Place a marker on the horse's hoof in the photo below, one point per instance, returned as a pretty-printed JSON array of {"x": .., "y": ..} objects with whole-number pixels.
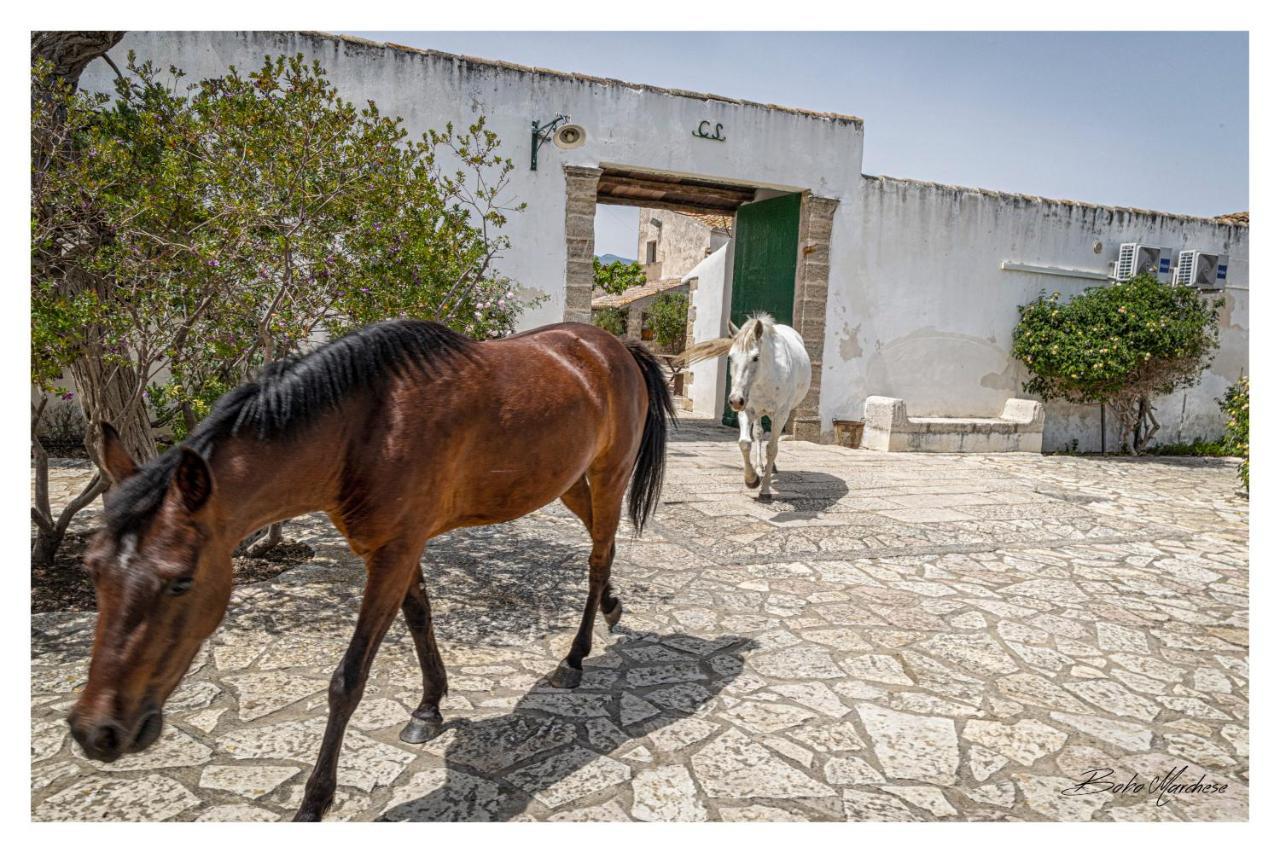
[
  {"x": 611, "y": 617},
  {"x": 767, "y": 497},
  {"x": 752, "y": 484},
  {"x": 419, "y": 730},
  {"x": 565, "y": 677},
  {"x": 312, "y": 813}
]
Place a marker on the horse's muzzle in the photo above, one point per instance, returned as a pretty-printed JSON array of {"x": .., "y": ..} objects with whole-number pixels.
[
  {"x": 106, "y": 740},
  {"x": 736, "y": 402}
]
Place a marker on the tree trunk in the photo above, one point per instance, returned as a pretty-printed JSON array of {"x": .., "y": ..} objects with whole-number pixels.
[
  {"x": 101, "y": 397},
  {"x": 1144, "y": 431},
  {"x": 45, "y": 548},
  {"x": 49, "y": 538},
  {"x": 71, "y": 51},
  {"x": 50, "y": 531},
  {"x": 106, "y": 393},
  {"x": 275, "y": 535},
  {"x": 260, "y": 541},
  {"x": 1124, "y": 411}
]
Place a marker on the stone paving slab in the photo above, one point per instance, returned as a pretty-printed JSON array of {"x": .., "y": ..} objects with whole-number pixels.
[{"x": 894, "y": 637}]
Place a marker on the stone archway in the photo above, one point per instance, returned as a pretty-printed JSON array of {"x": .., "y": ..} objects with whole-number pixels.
[{"x": 813, "y": 269}]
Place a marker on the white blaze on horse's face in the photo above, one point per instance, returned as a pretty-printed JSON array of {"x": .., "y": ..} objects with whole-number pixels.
[{"x": 744, "y": 364}]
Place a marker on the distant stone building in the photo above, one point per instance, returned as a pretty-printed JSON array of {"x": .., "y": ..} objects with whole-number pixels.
[{"x": 670, "y": 244}]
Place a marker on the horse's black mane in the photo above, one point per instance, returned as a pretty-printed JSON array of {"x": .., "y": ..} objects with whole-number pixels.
[{"x": 290, "y": 394}]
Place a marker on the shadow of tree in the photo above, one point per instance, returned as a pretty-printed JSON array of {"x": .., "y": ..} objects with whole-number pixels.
[
  {"x": 508, "y": 582},
  {"x": 553, "y": 747},
  {"x": 1164, "y": 461},
  {"x": 512, "y": 582},
  {"x": 701, "y": 429}
]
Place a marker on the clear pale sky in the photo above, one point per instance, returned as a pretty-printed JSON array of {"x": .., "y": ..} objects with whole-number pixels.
[{"x": 1152, "y": 120}]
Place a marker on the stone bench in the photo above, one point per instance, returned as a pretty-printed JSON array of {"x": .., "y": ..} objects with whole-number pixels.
[{"x": 1019, "y": 429}]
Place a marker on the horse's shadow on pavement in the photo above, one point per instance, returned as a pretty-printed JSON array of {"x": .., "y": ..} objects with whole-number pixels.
[
  {"x": 806, "y": 494},
  {"x": 559, "y": 746}
]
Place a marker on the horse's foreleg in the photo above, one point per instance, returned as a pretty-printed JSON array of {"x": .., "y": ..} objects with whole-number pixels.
[
  {"x": 606, "y": 510},
  {"x": 771, "y": 453},
  {"x": 426, "y": 722},
  {"x": 745, "y": 441},
  {"x": 389, "y": 569}
]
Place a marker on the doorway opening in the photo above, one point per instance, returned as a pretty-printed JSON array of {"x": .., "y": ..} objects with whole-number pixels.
[{"x": 721, "y": 250}]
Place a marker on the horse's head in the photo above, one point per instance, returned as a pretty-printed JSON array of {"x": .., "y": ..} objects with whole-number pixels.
[
  {"x": 744, "y": 357},
  {"x": 163, "y": 580}
]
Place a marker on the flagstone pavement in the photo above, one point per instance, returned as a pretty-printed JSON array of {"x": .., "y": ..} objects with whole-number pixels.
[{"x": 894, "y": 637}]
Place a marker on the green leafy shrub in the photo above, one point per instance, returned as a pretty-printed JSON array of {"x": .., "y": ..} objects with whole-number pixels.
[
  {"x": 668, "y": 316},
  {"x": 1121, "y": 344},
  {"x": 213, "y": 227},
  {"x": 1198, "y": 447},
  {"x": 203, "y": 230},
  {"x": 180, "y": 410},
  {"x": 613, "y": 320},
  {"x": 616, "y": 277},
  {"x": 1235, "y": 405}
]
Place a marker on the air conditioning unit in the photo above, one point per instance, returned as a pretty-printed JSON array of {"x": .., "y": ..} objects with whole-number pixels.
[
  {"x": 1201, "y": 270},
  {"x": 1136, "y": 258}
]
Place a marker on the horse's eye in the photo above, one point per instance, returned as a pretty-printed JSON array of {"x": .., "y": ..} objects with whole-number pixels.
[
  {"x": 180, "y": 585},
  {"x": 757, "y": 358}
]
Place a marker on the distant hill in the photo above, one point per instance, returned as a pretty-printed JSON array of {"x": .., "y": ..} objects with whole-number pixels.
[{"x": 608, "y": 259}]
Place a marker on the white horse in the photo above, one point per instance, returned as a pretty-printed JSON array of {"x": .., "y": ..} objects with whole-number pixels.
[{"x": 769, "y": 374}]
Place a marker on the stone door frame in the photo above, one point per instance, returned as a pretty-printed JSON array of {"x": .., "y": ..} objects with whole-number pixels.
[
  {"x": 809, "y": 314},
  {"x": 813, "y": 271}
]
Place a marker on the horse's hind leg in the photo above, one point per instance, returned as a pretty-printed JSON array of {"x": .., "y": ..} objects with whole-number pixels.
[
  {"x": 426, "y": 722},
  {"x": 606, "y": 510},
  {"x": 578, "y": 500},
  {"x": 388, "y": 569}
]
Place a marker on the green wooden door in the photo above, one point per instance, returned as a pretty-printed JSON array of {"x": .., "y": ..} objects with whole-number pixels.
[{"x": 766, "y": 235}]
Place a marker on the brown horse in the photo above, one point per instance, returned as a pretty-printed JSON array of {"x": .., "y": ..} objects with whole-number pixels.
[{"x": 399, "y": 432}]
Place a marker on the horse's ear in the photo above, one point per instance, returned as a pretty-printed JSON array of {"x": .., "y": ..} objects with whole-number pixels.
[
  {"x": 119, "y": 464},
  {"x": 193, "y": 480},
  {"x": 759, "y": 330},
  {"x": 733, "y": 330}
]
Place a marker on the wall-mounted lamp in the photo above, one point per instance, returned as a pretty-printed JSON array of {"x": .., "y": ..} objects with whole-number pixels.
[{"x": 541, "y": 133}]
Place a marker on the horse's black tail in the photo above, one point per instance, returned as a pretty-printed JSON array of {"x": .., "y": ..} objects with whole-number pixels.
[{"x": 651, "y": 461}]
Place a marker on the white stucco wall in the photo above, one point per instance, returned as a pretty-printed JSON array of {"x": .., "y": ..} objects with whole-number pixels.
[
  {"x": 918, "y": 305},
  {"x": 925, "y": 312},
  {"x": 627, "y": 125},
  {"x": 709, "y": 303}
]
